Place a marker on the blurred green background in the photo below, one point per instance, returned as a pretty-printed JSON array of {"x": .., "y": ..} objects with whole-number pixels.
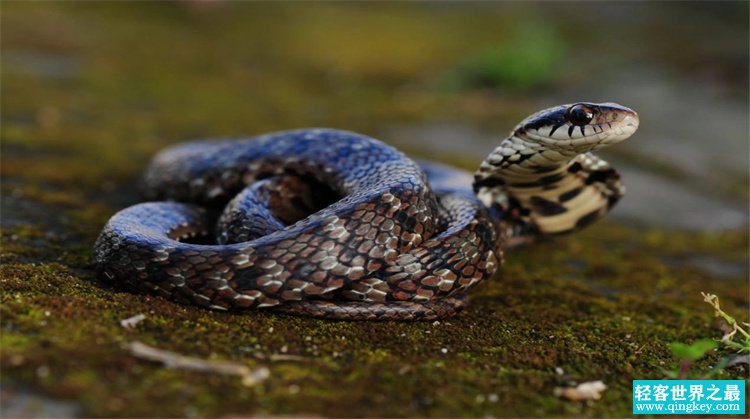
[
  {"x": 90, "y": 90},
  {"x": 115, "y": 82}
]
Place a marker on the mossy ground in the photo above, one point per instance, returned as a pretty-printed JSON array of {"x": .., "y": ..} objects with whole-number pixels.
[
  {"x": 605, "y": 305},
  {"x": 90, "y": 91}
]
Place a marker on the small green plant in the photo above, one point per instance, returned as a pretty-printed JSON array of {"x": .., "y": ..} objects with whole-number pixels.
[
  {"x": 739, "y": 343},
  {"x": 688, "y": 354},
  {"x": 737, "y": 339}
]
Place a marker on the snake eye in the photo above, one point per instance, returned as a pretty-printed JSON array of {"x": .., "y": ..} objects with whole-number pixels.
[{"x": 579, "y": 115}]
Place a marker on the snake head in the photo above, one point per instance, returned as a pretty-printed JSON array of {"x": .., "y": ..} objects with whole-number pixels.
[{"x": 579, "y": 127}]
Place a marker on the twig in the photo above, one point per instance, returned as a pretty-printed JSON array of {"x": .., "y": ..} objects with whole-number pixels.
[{"x": 176, "y": 361}]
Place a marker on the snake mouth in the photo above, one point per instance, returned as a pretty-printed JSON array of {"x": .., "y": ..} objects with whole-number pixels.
[{"x": 579, "y": 127}]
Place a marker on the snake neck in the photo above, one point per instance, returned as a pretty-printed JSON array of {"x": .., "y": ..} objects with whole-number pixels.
[{"x": 538, "y": 191}]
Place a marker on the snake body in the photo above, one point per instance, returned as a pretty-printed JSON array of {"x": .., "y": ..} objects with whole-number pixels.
[{"x": 334, "y": 224}]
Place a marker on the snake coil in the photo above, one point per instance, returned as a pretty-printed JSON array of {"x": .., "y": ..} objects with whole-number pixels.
[{"x": 334, "y": 224}]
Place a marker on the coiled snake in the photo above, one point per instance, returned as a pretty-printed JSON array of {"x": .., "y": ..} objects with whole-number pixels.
[{"x": 334, "y": 224}]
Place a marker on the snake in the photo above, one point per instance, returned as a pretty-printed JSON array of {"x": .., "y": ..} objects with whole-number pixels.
[{"x": 333, "y": 224}]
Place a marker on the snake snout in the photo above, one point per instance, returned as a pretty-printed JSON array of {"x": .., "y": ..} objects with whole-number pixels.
[
  {"x": 630, "y": 123},
  {"x": 631, "y": 120},
  {"x": 617, "y": 122},
  {"x": 618, "y": 113}
]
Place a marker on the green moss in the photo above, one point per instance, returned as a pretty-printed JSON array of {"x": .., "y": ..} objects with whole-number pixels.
[
  {"x": 10, "y": 340},
  {"x": 506, "y": 344}
]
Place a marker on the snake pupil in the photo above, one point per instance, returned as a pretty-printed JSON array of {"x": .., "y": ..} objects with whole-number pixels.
[{"x": 579, "y": 115}]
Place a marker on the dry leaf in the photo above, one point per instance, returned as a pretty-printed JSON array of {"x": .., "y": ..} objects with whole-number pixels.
[{"x": 590, "y": 390}]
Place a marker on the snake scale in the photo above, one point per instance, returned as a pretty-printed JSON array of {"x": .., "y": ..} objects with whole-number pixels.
[{"x": 334, "y": 224}]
